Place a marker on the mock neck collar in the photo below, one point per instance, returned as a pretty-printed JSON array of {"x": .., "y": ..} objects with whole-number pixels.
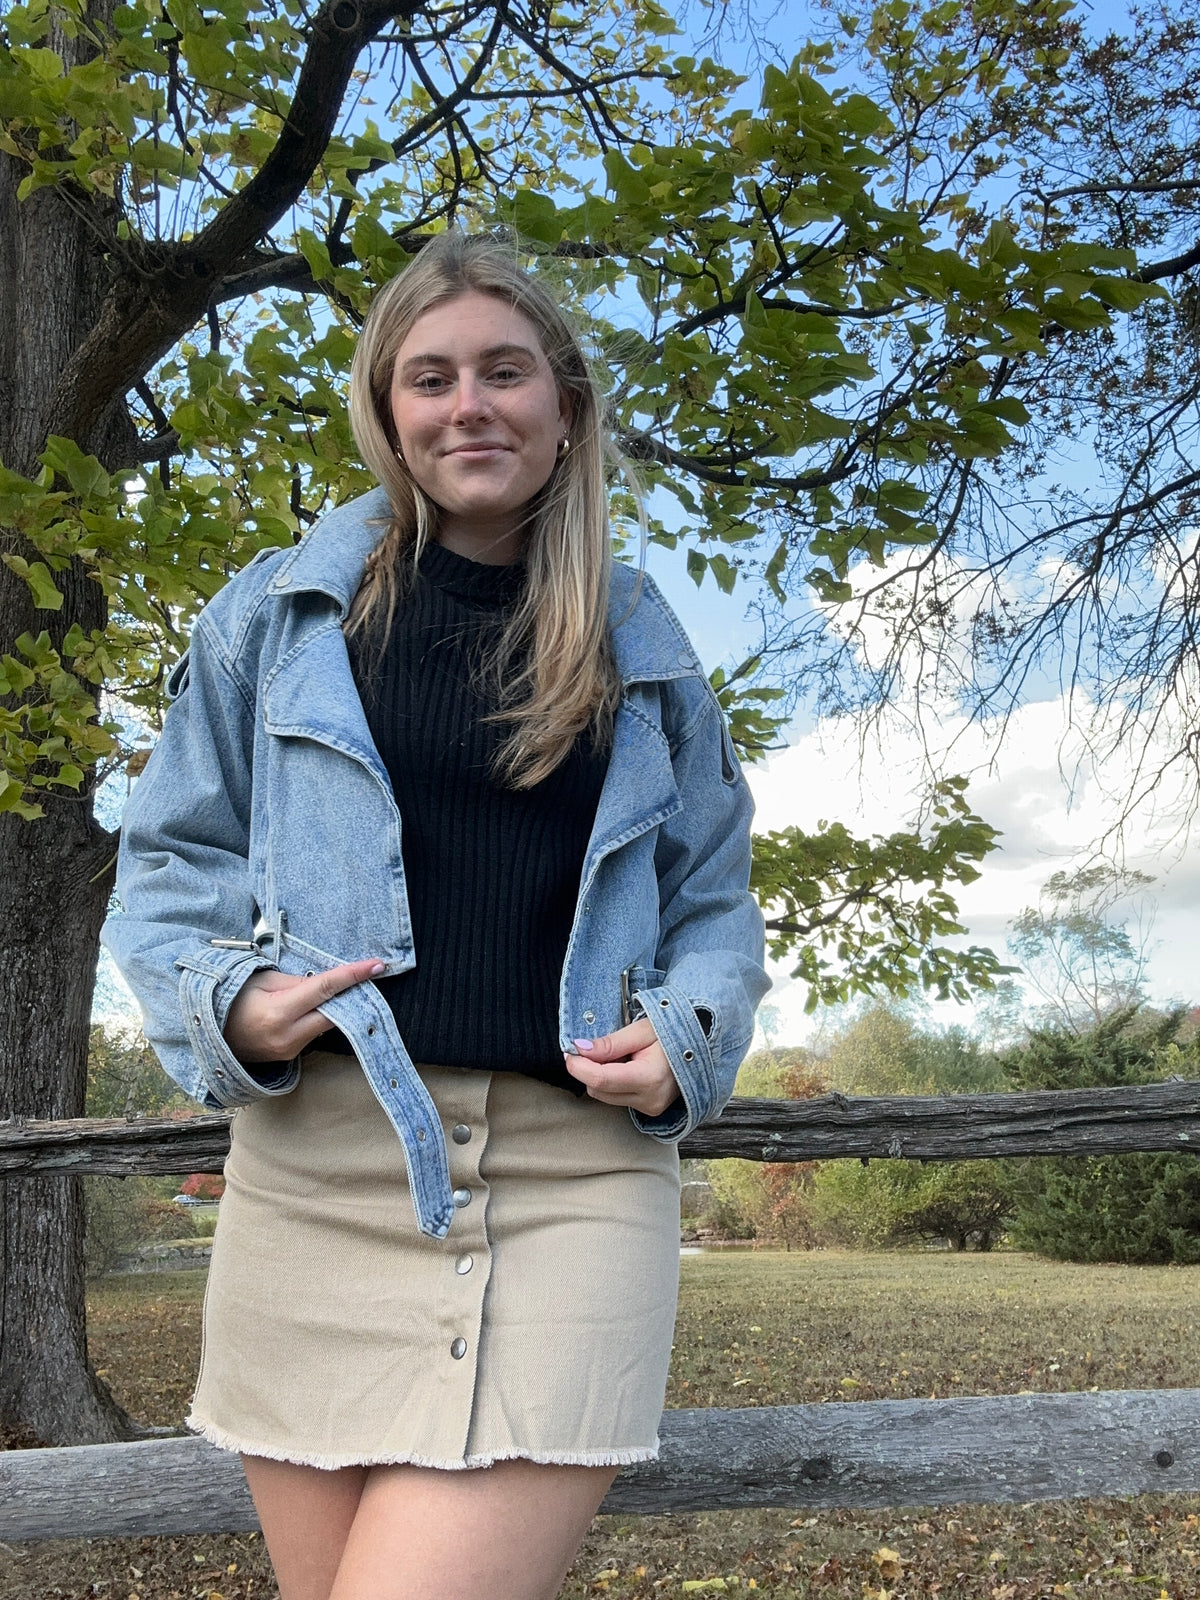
[
  {"x": 648, "y": 641},
  {"x": 480, "y": 582}
]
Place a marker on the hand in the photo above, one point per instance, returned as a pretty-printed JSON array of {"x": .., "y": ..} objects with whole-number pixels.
[
  {"x": 275, "y": 1015},
  {"x": 626, "y": 1068}
]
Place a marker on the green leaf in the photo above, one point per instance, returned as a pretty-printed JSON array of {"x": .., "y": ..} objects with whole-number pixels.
[
  {"x": 83, "y": 472},
  {"x": 535, "y": 217},
  {"x": 46, "y": 594},
  {"x": 724, "y": 572},
  {"x": 42, "y": 64},
  {"x": 11, "y": 799},
  {"x": 773, "y": 569}
]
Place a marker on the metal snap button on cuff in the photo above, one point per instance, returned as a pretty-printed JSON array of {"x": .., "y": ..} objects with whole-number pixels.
[
  {"x": 460, "y": 1133},
  {"x": 463, "y": 1265},
  {"x": 461, "y": 1197},
  {"x": 458, "y": 1349}
]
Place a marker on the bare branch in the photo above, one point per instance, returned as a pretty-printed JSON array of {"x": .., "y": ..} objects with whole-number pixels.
[
  {"x": 1173, "y": 267},
  {"x": 1167, "y": 186}
]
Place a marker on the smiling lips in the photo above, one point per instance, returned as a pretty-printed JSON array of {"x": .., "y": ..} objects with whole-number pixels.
[{"x": 483, "y": 447}]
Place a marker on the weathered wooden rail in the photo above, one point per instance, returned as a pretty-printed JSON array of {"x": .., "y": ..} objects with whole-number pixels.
[
  {"x": 1157, "y": 1116},
  {"x": 986, "y": 1450},
  {"x": 1005, "y": 1450}
]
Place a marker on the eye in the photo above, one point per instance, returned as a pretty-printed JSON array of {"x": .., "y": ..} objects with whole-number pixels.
[
  {"x": 428, "y": 382},
  {"x": 508, "y": 373}
]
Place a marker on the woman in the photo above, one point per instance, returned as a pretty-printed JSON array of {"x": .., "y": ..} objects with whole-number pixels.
[{"x": 442, "y": 1295}]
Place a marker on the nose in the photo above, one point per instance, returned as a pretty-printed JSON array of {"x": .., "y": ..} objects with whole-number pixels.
[{"x": 470, "y": 400}]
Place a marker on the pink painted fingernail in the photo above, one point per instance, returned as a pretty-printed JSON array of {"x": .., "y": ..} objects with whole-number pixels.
[
  {"x": 584, "y": 1044},
  {"x": 377, "y": 969}
]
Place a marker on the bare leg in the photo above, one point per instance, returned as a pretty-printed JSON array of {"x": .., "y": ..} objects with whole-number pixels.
[
  {"x": 505, "y": 1532},
  {"x": 306, "y": 1516}
]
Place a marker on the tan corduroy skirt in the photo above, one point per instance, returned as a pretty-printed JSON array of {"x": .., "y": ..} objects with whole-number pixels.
[{"x": 337, "y": 1334}]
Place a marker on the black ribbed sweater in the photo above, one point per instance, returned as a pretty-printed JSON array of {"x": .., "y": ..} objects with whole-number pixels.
[{"x": 492, "y": 873}]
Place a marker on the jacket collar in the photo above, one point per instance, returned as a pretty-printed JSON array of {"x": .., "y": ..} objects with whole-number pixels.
[{"x": 331, "y": 558}]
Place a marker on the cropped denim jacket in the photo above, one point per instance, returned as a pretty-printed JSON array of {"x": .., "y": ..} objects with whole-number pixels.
[{"x": 264, "y": 833}]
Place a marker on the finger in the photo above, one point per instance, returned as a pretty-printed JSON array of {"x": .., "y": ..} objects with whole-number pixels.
[
  {"x": 275, "y": 1014},
  {"x": 309, "y": 993},
  {"x": 599, "y": 1074},
  {"x": 648, "y": 1069},
  {"x": 623, "y": 1042},
  {"x": 307, "y": 1029},
  {"x": 651, "y": 1102}
]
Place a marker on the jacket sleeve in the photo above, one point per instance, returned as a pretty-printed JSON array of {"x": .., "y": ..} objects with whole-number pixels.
[
  {"x": 711, "y": 938},
  {"x": 183, "y": 881}
]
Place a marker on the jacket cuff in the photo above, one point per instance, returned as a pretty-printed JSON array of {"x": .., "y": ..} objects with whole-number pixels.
[
  {"x": 209, "y": 983},
  {"x": 688, "y": 1047}
]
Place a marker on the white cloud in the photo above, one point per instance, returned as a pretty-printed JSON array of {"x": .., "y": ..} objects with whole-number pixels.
[{"x": 1038, "y": 785}]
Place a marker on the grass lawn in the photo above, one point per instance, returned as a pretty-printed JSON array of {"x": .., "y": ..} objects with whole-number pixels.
[{"x": 764, "y": 1329}]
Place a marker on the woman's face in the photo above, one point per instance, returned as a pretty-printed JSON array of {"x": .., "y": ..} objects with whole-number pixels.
[{"x": 479, "y": 419}]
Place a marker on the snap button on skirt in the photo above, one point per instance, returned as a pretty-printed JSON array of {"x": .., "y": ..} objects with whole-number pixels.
[{"x": 337, "y": 1334}]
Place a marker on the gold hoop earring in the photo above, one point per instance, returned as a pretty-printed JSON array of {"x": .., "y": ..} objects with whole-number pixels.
[
  {"x": 400, "y": 458},
  {"x": 564, "y": 444}
]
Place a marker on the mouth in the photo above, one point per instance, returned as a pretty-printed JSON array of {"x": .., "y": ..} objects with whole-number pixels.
[{"x": 481, "y": 448}]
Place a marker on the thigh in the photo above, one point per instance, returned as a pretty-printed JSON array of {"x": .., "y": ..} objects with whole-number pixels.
[
  {"x": 505, "y": 1532},
  {"x": 306, "y": 1517}
]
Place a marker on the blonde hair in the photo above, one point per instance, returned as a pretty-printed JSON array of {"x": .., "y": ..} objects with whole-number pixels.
[{"x": 553, "y": 666}]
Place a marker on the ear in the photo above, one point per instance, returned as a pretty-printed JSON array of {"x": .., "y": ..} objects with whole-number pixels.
[{"x": 565, "y": 412}]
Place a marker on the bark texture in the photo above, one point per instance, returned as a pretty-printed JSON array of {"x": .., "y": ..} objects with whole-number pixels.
[
  {"x": 55, "y": 873},
  {"x": 984, "y": 1450}
]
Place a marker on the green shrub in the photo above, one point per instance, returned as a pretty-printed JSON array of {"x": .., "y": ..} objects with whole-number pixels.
[
  {"x": 1134, "y": 1208},
  {"x": 204, "y": 1226},
  {"x": 894, "y": 1203}
]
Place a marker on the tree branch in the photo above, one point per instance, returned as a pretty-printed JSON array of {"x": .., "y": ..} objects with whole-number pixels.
[
  {"x": 1166, "y": 187},
  {"x": 1174, "y": 267},
  {"x": 159, "y": 448},
  {"x": 147, "y": 311},
  {"x": 269, "y": 272}
]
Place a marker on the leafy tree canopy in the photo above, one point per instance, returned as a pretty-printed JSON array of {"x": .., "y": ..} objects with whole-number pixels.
[
  {"x": 1066, "y": 562},
  {"x": 828, "y": 316},
  {"x": 884, "y": 1051},
  {"x": 826, "y": 313}
]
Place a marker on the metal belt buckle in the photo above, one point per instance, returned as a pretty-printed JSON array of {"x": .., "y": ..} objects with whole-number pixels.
[{"x": 263, "y": 934}]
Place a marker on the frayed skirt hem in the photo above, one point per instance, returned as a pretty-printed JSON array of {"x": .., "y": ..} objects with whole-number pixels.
[{"x": 333, "y": 1462}]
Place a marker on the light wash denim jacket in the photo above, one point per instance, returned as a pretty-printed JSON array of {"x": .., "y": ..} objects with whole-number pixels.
[{"x": 264, "y": 833}]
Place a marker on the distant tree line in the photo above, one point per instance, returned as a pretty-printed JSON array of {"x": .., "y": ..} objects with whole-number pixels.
[{"x": 1133, "y": 1208}]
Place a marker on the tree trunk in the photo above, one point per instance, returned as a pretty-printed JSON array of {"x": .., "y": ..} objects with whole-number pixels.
[
  {"x": 55, "y": 873},
  {"x": 51, "y": 914}
]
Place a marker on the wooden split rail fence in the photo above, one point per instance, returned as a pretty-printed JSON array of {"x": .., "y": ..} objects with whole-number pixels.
[{"x": 988, "y": 1449}]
